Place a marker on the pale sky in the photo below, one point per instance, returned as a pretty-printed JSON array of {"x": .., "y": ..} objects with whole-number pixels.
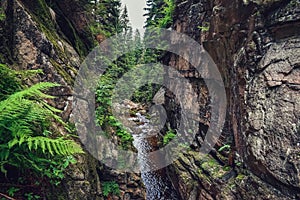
[{"x": 135, "y": 11}]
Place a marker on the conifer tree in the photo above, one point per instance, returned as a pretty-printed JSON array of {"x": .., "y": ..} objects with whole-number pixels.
[
  {"x": 106, "y": 17},
  {"x": 124, "y": 20},
  {"x": 159, "y": 13},
  {"x": 138, "y": 47}
]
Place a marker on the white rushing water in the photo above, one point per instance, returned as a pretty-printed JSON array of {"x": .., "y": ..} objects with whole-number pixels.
[{"x": 156, "y": 183}]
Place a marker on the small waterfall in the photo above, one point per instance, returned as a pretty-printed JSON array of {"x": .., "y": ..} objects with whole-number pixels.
[{"x": 158, "y": 186}]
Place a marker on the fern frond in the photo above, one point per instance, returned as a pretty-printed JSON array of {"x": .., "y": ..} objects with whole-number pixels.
[
  {"x": 9, "y": 83},
  {"x": 4, "y": 152},
  {"x": 35, "y": 91},
  {"x": 49, "y": 147},
  {"x": 26, "y": 161},
  {"x": 23, "y": 116},
  {"x": 12, "y": 143},
  {"x": 41, "y": 143},
  {"x": 59, "y": 146},
  {"x": 2, "y": 168},
  {"x": 25, "y": 124},
  {"x": 29, "y": 143},
  {"x": 28, "y": 73},
  {"x": 55, "y": 149}
]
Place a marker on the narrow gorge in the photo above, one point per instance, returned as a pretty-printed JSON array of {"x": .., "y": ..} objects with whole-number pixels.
[{"x": 255, "y": 47}]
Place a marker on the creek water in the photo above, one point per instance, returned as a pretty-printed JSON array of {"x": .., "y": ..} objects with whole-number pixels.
[{"x": 158, "y": 186}]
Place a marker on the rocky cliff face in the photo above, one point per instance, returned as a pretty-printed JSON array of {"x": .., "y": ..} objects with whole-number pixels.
[
  {"x": 32, "y": 40},
  {"x": 53, "y": 36},
  {"x": 255, "y": 45}
]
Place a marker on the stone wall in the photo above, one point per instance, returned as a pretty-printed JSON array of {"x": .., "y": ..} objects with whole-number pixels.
[
  {"x": 55, "y": 39},
  {"x": 256, "y": 48}
]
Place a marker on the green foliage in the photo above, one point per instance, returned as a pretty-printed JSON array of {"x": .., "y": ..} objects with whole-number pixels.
[
  {"x": 12, "y": 80},
  {"x": 168, "y": 136},
  {"x": 103, "y": 112},
  {"x": 12, "y": 190},
  {"x": 10, "y": 83},
  {"x": 110, "y": 19},
  {"x": 224, "y": 147},
  {"x": 204, "y": 28},
  {"x": 106, "y": 15},
  {"x": 27, "y": 139},
  {"x": 159, "y": 13},
  {"x": 145, "y": 93},
  {"x": 167, "y": 12},
  {"x": 237, "y": 163},
  {"x": 31, "y": 196},
  {"x": 212, "y": 167},
  {"x": 2, "y": 14},
  {"x": 56, "y": 169},
  {"x": 226, "y": 168},
  {"x": 240, "y": 177},
  {"x": 107, "y": 84},
  {"x": 126, "y": 138},
  {"x": 110, "y": 187}
]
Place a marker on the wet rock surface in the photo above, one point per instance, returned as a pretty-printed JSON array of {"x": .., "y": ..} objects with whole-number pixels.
[
  {"x": 33, "y": 41},
  {"x": 35, "y": 36},
  {"x": 255, "y": 45}
]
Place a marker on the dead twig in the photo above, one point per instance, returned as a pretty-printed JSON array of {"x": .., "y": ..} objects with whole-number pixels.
[{"x": 8, "y": 197}]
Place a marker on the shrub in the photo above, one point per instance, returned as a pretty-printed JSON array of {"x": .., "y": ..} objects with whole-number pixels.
[
  {"x": 28, "y": 139},
  {"x": 169, "y": 136},
  {"x": 110, "y": 187}
]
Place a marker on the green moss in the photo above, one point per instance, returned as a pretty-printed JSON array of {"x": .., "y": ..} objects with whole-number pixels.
[
  {"x": 6, "y": 37},
  {"x": 240, "y": 177},
  {"x": 213, "y": 167},
  {"x": 40, "y": 13},
  {"x": 169, "y": 136},
  {"x": 66, "y": 76},
  {"x": 204, "y": 27},
  {"x": 226, "y": 168},
  {"x": 202, "y": 176},
  {"x": 80, "y": 47}
]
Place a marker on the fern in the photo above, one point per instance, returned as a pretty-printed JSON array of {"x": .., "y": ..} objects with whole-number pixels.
[
  {"x": 9, "y": 83},
  {"x": 34, "y": 91},
  {"x": 26, "y": 139}
]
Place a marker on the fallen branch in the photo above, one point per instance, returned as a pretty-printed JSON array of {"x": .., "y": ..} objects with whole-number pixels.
[{"x": 8, "y": 197}]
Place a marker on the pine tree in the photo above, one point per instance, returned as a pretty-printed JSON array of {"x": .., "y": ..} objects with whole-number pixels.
[
  {"x": 124, "y": 20},
  {"x": 106, "y": 17},
  {"x": 153, "y": 10},
  {"x": 138, "y": 54},
  {"x": 159, "y": 13}
]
